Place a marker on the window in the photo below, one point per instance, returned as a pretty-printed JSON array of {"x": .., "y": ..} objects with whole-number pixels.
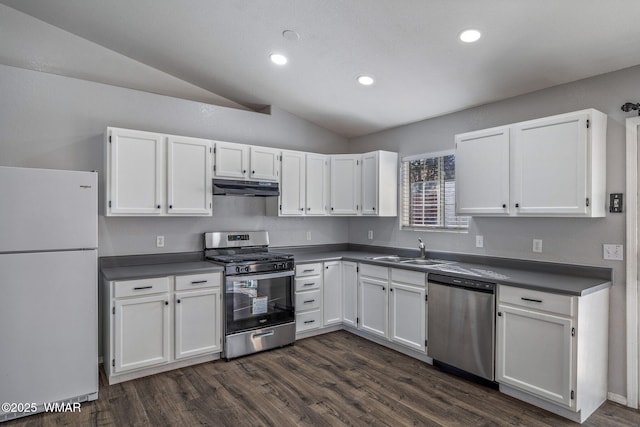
[{"x": 428, "y": 188}]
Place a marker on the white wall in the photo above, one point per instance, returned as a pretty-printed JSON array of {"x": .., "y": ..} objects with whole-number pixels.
[
  {"x": 570, "y": 240},
  {"x": 51, "y": 121}
]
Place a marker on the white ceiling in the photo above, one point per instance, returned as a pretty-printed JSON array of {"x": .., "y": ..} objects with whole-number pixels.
[{"x": 411, "y": 48}]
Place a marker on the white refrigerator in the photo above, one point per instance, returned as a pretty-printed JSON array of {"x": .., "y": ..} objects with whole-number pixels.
[{"x": 48, "y": 289}]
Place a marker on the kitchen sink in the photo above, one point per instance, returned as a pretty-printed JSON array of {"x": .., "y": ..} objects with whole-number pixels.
[
  {"x": 391, "y": 258},
  {"x": 408, "y": 260}
]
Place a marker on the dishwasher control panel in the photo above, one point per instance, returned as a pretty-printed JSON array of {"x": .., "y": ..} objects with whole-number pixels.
[{"x": 462, "y": 282}]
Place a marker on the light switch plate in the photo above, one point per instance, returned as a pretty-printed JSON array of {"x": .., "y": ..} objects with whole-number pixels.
[
  {"x": 159, "y": 241},
  {"x": 537, "y": 245},
  {"x": 479, "y": 241},
  {"x": 370, "y": 235},
  {"x": 308, "y": 235},
  {"x": 613, "y": 252}
]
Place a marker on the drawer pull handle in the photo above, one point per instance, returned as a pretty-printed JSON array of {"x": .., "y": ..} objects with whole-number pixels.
[
  {"x": 139, "y": 288},
  {"x": 307, "y": 271},
  {"x": 198, "y": 282},
  {"x": 309, "y": 321},
  {"x": 308, "y": 301},
  {"x": 262, "y": 334},
  {"x": 530, "y": 300},
  {"x": 309, "y": 284}
]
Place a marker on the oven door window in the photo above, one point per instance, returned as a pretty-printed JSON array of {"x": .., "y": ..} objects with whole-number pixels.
[{"x": 254, "y": 303}]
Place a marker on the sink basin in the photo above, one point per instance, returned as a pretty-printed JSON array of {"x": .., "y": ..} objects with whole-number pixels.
[
  {"x": 421, "y": 261},
  {"x": 392, "y": 258}
]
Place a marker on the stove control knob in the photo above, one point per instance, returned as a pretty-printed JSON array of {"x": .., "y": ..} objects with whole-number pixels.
[
  {"x": 283, "y": 265},
  {"x": 275, "y": 266},
  {"x": 237, "y": 269},
  {"x": 246, "y": 269}
]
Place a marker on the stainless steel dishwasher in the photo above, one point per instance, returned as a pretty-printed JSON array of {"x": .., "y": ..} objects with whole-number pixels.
[{"x": 461, "y": 324}]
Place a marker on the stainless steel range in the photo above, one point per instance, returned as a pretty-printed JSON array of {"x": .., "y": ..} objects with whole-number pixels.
[{"x": 259, "y": 294}]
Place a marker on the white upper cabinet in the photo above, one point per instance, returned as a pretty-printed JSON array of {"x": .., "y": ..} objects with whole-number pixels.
[
  {"x": 188, "y": 176},
  {"x": 345, "y": 184},
  {"x": 150, "y": 174},
  {"x": 482, "y": 172},
  {"x": 245, "y": 162},
  {"x": 317, "y": 185},
  {"x": 380, "y": 183},
  {"x": 292, "y": 188},
  {"x": 231, "y": 160},
  {"x": 264, "y": 164},
  {"x": 135, "y": 181},
  {"x": 557, "y": 167}
]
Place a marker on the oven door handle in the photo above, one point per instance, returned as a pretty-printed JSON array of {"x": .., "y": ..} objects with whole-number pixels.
[
  {"x": 262, "y": 334},
  {"x": 274, "y": 275}
]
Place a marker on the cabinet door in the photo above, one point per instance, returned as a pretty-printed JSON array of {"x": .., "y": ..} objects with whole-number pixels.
[
  {"x": 407, "y": 315},
  {"x": 373, "y": 306},
  {"x": 482, "y": 172},
  {"x": 136, "y": 172},
  {"x": 141, "y": 334},
  {"x": 198, "y": 323},
  {"x": 332, "y": 296},
  {"x": 345, "y": 184},
  {"x": 264, "y": 164},
  {"x": 292, "y": 185},
  {"x": 550, "y": 165},
  {"x": 370, "y": 183},
  {"x": 231, "y": 160},
  {"x": 188, "y": 176},
  {"x": 535, "y": 352},
  {"x": 350, "y": 293},
  {"x": 316, "y": 184}
]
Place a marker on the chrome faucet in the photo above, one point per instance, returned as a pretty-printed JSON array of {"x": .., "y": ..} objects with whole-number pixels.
[{"x": 421, "y": 247}]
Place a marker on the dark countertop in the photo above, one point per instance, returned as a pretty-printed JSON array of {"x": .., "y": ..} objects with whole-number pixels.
[
  {"x": 159, "y": 270},
  {"x": 561, "y": 279}
]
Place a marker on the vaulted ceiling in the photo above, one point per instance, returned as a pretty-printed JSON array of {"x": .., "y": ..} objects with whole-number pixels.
[{"x": 410, "y": 47}]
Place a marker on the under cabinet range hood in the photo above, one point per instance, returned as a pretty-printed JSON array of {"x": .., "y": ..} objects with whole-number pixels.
[{"x": 230, "y": 187}]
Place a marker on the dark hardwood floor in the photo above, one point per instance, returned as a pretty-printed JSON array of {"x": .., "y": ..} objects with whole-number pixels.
[{"x": 328, "y": 380}]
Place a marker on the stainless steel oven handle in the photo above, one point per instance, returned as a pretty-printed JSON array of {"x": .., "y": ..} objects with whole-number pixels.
[
  {"x": 274, "y": 275},
  {"x": 262, "y": 334}
]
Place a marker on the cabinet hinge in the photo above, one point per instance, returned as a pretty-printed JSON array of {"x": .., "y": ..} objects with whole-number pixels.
[
  {"x": 587, "y": 202},
  {"x": 426, "y": 297},
  {"x": 214, "y": 166},
  {"x": 210, "y": 150},
  {"x": 587, "y": 124},
  {"x": 425, "y": 343},
  {"x": 109, "y": 203},
  {"x": 573, "y": 332},
  {"x": 109, "y": 138},
  {"x": 357, "y": 269},
  {"x": 113, "y": 362},
  {"x": 357, "y": 320},
  {"x": 113, "y": 310},
  {"x": 209, "y": 205},
  {"x": 214, "y": 150},
  {"x": 572, "y": 394},
  {"x": 280, "y": 208}
]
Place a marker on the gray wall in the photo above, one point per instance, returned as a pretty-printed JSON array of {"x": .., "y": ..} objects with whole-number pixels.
[
  {"x": 571, "y": 240},
  {"x": 50, "y": 121}
]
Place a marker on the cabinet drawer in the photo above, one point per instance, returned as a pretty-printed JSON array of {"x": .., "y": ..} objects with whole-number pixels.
[
  {"x": 308, "y": 300},
  {"x": 197, "y": 281},
  {"x": 131, "y": 288},
  {"x": 308, "y": 320},
  {"x": 308, "y": 269},
  {"x": 307, "y": 284},
  {"x": 407, "y": 276},
  {"x": 374, "y": 271},
  {"x": 545, "y": 301}
]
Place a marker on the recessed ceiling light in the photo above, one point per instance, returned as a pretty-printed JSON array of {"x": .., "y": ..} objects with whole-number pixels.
[
  {"x": 470, "y": 36},
  {"x": 290, "y": 35},
  {"x": 278, "y": 58},
  {"x": 365, "y": 80}
]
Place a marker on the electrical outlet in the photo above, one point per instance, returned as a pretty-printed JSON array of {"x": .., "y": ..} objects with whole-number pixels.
[
  {"x": 537, "y": 245},
  {"x": 159, "y": 241},
  {"x": 370, "y": 235},
  {"x": 479, "y": 241},
  {"x": 308, "y": 235},
  {"x": 613, "y": 252}
]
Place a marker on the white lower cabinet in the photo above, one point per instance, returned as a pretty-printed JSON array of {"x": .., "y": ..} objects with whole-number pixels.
[
  {"x": 308, "y": 296},
  {"x": 373, "y": 299},
  {"x": 332, "y": 293},
  {"x": 141, "y": 335},
  {"x": 551, "y": 350},
  {"x": 350, "y": 293},
  {"x": 407, "y": 308},
  {"x": 151, "y": 325}
]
